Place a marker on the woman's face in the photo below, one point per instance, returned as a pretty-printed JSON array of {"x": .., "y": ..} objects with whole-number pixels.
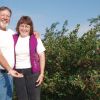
[{"x": 24, "y": 29}]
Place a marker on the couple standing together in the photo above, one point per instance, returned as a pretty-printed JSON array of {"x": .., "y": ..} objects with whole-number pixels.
[{"x": 22, "y": 55}]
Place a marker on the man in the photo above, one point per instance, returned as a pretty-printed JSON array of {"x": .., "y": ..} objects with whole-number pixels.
[{"x": 6, "y": 56}]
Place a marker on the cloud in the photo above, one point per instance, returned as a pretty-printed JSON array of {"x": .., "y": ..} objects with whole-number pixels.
[{"x": 83, "y": 28}]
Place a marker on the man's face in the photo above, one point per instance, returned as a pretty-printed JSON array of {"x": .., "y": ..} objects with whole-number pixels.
[{"x": 4, "y": 19}]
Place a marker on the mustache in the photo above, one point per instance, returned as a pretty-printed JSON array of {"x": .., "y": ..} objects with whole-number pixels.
[{"x": 3, "y": 20}]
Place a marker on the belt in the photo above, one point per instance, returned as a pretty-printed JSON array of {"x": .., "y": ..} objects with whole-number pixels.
[{"x": 3, "y": 71}]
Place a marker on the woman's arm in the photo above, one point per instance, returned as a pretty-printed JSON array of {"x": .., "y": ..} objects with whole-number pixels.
[
  {"x": 42, "y": 62},
  {"x": 42, "y": 68},
  {"x": 41, "y": 53}
]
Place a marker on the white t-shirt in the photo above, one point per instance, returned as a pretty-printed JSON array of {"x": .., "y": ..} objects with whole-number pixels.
[
  {"x": 7, "y": 46},
  {"x": 23, "y": 54}
]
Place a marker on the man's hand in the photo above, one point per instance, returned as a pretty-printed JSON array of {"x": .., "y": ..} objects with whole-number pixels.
[
  {"x": 37, "y": 35},
  {"x": 15, "y": 73}
]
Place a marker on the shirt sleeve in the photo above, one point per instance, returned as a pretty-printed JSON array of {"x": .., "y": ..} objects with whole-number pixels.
[
  {"x": 40, "y": 46},
  {"x": 11, "y": 31}
]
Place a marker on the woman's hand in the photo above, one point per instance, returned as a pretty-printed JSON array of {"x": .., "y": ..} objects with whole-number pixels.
[{"x": 40, "y": 79}]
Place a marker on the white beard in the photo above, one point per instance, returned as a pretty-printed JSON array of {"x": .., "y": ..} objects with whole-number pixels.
[{"x": 3, "y": 25}]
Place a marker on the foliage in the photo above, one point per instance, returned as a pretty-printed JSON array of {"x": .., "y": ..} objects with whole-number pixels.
[{"x": 72, "y": 64}]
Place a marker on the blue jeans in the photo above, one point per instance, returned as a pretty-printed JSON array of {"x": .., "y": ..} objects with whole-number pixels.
[{"x": 6, "y": 86}]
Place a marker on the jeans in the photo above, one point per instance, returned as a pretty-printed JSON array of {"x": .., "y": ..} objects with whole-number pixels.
[{"x": 6, "y": 86}]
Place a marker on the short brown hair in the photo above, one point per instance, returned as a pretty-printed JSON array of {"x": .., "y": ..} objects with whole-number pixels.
[
  {"x": 6, "y": 8},
  {"x": 25, "y": 20}
]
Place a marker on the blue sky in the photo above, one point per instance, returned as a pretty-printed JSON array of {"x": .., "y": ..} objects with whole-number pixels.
[{"x": 46, "y": 12}]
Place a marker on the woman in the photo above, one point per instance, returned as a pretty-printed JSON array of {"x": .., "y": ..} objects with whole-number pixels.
[{"x": 29, "y": 60}]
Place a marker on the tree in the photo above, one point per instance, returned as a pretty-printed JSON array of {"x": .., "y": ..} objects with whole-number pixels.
[{"x": 72, "y": 64}]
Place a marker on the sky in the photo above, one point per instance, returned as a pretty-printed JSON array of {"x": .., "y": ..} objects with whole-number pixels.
[{"x": 46, "y": 12}]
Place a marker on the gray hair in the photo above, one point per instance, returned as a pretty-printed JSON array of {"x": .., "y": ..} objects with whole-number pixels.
[{"x": 6, "y": 8}]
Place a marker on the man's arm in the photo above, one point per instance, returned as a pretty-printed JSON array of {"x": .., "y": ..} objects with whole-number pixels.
[
  {"x": 5, "y": 65},
  {"x": 4, "y": 62}
]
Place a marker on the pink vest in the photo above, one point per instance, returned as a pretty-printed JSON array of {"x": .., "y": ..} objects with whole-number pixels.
[{"x": 34, "y": 58}]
